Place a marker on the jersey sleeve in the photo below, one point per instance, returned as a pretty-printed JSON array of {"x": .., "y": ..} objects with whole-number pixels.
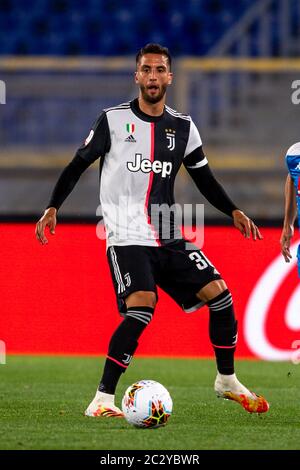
[
  {"x": 194, "y": 140},
  {"x": 67, "y": 181},
  {"x": 97, "y": 143},
  {"x": 197, "y": 166},
  {"x": 195, "y": 159}
]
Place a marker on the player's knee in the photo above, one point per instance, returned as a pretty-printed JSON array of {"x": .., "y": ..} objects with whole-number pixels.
[
  {"x": 212, "y": 290},
  {"x": 141, "y": 299}
]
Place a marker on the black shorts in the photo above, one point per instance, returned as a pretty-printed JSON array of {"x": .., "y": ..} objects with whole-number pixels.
[{"x": 179, "y": 271}]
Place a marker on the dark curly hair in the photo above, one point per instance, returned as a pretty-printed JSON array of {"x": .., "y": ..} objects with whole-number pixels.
[{"x": 153, "y": 48}]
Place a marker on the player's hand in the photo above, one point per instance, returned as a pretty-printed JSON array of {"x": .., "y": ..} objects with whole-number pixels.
[
  {"x": 47, "y": 220},
  {"x": 285, "y": 242},
  {"x": 245, "y": 225}
]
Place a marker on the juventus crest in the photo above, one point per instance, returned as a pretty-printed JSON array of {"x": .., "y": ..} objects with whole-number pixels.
[{"x": 170, "y": 134}]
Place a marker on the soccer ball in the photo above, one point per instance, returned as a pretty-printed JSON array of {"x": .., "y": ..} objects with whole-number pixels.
[{"x": 147, "y": 404}]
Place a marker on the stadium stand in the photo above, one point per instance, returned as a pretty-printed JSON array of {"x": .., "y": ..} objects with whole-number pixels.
[
  {"x": 63, "y": 61},
  {"x": 65, "y": 27}
]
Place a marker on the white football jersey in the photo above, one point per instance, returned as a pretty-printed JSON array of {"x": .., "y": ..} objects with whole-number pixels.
[{"x": 140, "y": 158}]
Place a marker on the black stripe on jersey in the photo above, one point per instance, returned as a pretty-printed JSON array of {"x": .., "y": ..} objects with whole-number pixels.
[
  {"x": 161, "y": 196},
  {"x": 173, "y": 111},
  {"x": 177, "y": 114},
  {"x": 195, "y": 157}
]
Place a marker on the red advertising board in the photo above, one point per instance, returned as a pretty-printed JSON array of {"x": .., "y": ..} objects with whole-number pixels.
[{"x": 59, "y": 298}]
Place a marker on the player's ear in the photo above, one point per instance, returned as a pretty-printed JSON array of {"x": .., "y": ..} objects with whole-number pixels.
[
  {"x": 170, "y": 78},
  {"x": 135, "y": 77}
]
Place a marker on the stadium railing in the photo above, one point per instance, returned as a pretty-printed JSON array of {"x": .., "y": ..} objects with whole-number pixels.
[{"x": 244, "y": 109}]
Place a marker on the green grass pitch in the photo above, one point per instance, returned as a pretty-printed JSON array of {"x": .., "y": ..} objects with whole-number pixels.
[{"x": 42, "y": 400}]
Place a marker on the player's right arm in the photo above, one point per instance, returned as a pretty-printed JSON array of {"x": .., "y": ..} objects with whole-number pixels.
[
  {"x": 97, "y": 144},
  {"x": 62, "y": 189},
  {"x": 290, "y": 214}
]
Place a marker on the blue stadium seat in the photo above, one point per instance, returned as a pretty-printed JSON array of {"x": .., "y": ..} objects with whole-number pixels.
[{"x": 100, "y": 27}]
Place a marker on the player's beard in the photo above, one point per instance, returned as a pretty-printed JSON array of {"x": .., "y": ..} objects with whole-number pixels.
[{"x": 153, "y": 99}]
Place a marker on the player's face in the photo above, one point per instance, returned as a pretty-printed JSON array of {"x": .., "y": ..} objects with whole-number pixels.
[{"x": 153, "y": 76}]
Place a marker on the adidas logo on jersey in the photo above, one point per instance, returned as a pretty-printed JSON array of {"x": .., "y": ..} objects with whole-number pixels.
[
  {"x": 298, "y": 166},
  {"x": 130, "y": 138},
  {"x": 145, "y": 165}
]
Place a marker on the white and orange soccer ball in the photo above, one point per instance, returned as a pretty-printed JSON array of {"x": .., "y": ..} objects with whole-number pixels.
[{"x": 147, "y": 404}]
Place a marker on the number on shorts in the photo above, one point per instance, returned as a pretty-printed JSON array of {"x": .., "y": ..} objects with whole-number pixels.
[{"x": 201, "y": 261}]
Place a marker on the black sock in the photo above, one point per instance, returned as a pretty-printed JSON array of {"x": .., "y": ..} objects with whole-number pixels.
[
  {"x": 223, "y": 331},
  {"x": 122, "y": 346}
]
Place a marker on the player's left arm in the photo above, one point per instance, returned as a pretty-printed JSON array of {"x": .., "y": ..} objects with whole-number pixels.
[
  {"x": 245, "y": 225},
  {"x": 198, "y": 168}
]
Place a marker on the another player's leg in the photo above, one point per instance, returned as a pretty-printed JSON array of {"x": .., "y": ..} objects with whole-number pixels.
[
  {"x": 223, "y": 335},
  {"x": 123, "y": 343}
]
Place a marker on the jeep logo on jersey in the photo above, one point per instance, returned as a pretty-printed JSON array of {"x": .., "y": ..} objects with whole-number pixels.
[
  {"x": 170, "y": 134},
  {"x": 145, "y": 165}
]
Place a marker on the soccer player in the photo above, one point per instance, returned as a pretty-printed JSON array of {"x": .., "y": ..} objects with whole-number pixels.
[
  {"x": 141, "y": 145},
  {"x": 290, "y": 214}
]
